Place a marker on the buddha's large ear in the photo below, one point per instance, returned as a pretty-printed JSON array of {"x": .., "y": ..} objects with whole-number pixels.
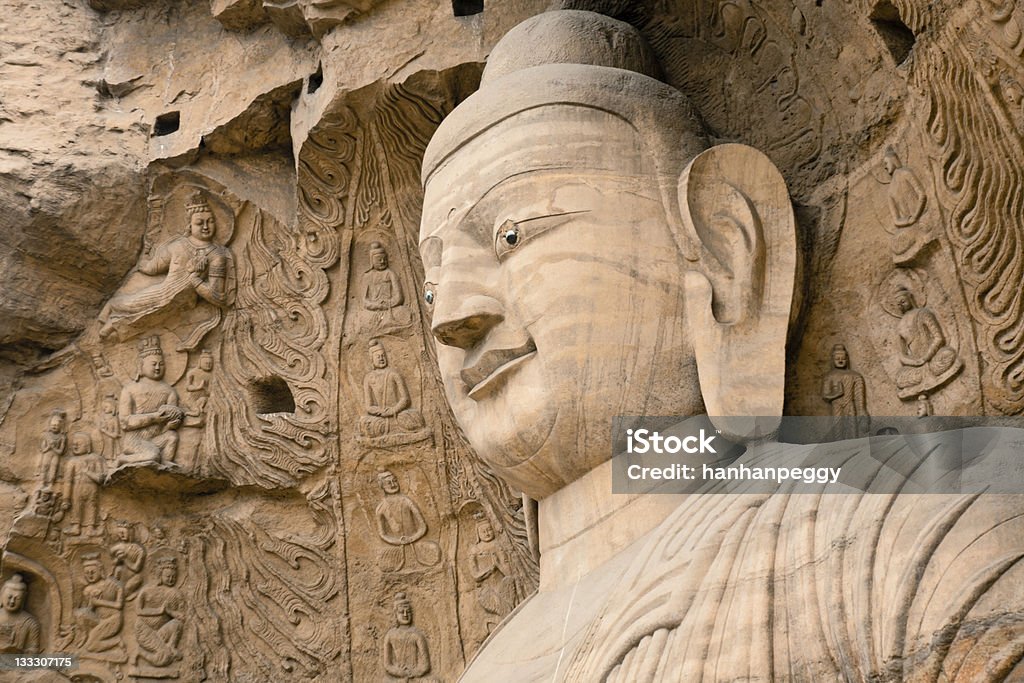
[{"x": 739, "y": 222}]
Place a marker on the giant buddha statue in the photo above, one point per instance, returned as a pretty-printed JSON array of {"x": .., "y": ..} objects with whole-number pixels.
[{"x": 587, "y": 255}]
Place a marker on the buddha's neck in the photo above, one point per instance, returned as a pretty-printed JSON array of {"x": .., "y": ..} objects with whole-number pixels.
[{"x": 583, "y": 525}]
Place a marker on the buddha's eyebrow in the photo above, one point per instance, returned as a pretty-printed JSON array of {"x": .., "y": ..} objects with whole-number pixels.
[{"x": 551, "y": 215}]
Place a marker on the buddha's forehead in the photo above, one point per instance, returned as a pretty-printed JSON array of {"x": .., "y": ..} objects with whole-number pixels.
[{"x": 563, "y": 140}]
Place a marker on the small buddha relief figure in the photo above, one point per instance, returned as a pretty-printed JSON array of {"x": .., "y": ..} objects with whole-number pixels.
[
  {"x": 843, "y": 389},
  {"x": 84, "y": 474},
  {"x": 129, "y": 558},
  {"x": 109, "y": 425},
  {"x": 406, "y": 654},
  {"x": 149, "y": 412},
  {"x": 911, "y": 228},
  {"x": 159, "y": 622},
  {"x": 197, "y": 388},
  {"x": 491, "y": 570},
  {"x": 100, "y": 617},
  {"x": 19, "y": 630},
  {"x": 390, "y": 418},
  {"x": 382, "y": 293},
  {"x": 188, "y": 276},
  {"x": 52, "y": 447},
  {"x": 401, "y": 526},
  {"x": 928, "y": 360}
]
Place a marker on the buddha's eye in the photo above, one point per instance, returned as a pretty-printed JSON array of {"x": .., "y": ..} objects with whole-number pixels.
[
  {"x": 512, "y": 234},
  {"x": 428, "y": 293},
  {"x": 508, "y": 237}
]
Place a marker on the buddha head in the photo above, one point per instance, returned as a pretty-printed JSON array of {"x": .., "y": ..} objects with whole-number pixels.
[
  {"x": 388, "y": 482},
  {"x": 403, "y": 609},
  {"x": 587, "y": 256},
  {"x": 12, "y": 595},
  {"x": 840, "y": 357},
  {"x": 378, "y": 256},
  {"x": 484, "y": 530},
  {"x": 92, "y": 567},
  {"x": 891, "y": 162},
  {"x": 168, "y": 571},
  {"x": 904, "y": 300},
  {"x": 57, "y": 422},
  {"x": 378, "y": 356},
  {"x": 151, "y": 359},
  {"x": 202, "y": 223},
  {"x": 123, "y": 531},
  {"x": 81, "y": 443}
]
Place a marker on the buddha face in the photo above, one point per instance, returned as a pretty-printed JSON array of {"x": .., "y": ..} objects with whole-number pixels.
[
  {"x": 81, "y": 444},
  {"x": 124, "y": 533},
  {"x": 153, "y": 366},
  {"x": 904, "y": 301},
  {"x": 13, "y": 599},
  {"x": 93, "y": 572},
  {"x": 56, "y": 424},
  {"x": 840, "y": 359},
  {"x": 379, "y": 358},
  {"x": 403, "y": 612},
  {"x": 206, "y": 362},
  {"x": 557, "y": 290},
  {"x": 1014, "y": 95},
  {"x": 168, "y": 575},
  {"x": 388, "y": 483},
  {"x": 890, "y": 163},
  {"x": 484, "y": 532},
  {"x": 379, "y": 260},
  {"x": 202, "y": 225}
]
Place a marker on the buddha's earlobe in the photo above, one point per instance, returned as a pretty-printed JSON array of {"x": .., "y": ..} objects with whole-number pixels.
[{"x": 736, "y": 210}]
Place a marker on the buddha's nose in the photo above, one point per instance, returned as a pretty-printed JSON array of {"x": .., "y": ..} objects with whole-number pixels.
[{"x": 465, "y": 322}]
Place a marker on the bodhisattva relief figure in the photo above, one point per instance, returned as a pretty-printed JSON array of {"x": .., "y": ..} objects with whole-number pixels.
[
  {"x": 386, "y": 399},
  {"x": 197, "y": 386},
  {"x": 382, "y": 293},
  {"x": 908, "y": 203},
  {"x": 843, "y": 389},
  {"x": 149, "y": 412},
  {"x": 928, "y": 361},
  {"x": 52, "y": 447},
  {"x": 574, "y": 163},
  {"x": 129, "y": 557},
  {"x": 159, "y": 623},
  {"x": 400, "y": 524},
  {"x": 84, "y": 474},
  {"x": 406, "y": 655},
  {"x": 495, "y": 585},
  {"x": 193, "y": 267},
  {"x": 100, "y": 618},
  {"x": 109, "y": 425},
  {"x": 19, "y": 630}
]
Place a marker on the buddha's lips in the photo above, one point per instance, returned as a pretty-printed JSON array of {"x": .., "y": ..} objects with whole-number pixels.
[{"x": 493, "y": 365}]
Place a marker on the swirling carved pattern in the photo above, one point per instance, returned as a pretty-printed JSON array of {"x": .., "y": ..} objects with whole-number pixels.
[
  {"x": 981, "y": 169},
  {"x": 276, "y": 330},
  {"x": 256, "y": 593}
]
